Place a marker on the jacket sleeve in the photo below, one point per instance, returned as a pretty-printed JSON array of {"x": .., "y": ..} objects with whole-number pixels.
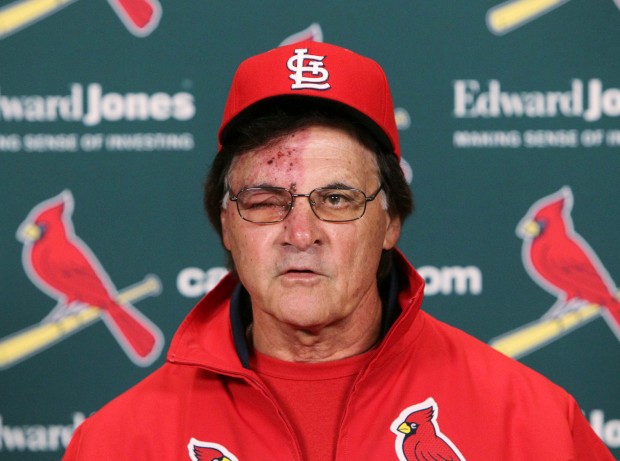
[
  {"x": 93, "y": 441},
  {"x": 73, "y": 449},
  {"x": 588, "y": 445}
]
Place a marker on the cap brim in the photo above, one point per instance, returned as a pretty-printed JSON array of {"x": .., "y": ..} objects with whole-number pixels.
[{"x": 306, "y": 104}]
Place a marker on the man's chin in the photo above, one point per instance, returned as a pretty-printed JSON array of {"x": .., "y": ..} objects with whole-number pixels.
[{"x": 305, "y": 315}]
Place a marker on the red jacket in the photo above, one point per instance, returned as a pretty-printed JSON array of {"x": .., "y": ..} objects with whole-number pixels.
[{"x": 455, "y": 396}]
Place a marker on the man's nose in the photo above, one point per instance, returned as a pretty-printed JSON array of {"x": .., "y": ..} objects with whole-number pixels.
[{"x": 302, "y": 228}]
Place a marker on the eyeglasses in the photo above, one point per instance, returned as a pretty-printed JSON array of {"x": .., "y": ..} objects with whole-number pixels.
[{"x": 267, "y": 205}]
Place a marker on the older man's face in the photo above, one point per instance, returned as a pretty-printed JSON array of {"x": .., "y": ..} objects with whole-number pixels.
[{"x": 304, "y": 272}]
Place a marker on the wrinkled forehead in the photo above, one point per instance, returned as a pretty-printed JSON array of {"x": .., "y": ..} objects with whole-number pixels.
[{"x": 317, "y": 154}]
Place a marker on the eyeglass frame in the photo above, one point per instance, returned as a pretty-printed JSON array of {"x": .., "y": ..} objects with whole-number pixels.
[{"x": 291, "y": 204}]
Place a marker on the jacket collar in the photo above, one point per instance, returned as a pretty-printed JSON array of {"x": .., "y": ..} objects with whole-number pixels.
[{"x": 213, "y": 334}]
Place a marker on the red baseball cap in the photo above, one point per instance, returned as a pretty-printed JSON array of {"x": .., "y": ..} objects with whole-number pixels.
[{"x": 316, "y": 70}]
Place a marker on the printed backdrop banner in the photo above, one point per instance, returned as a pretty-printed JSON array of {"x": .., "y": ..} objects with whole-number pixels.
[{"x": 508, "y": 116}]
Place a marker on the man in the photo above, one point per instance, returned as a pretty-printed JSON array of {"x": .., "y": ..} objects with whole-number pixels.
[{"x": 315, "y": 347}]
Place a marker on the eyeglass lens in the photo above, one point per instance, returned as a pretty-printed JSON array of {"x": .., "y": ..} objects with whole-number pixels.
[{"x": 261, "y": 205}]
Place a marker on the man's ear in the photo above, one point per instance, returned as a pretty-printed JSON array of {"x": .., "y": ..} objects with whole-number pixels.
[
  {"x": 392, "y": 232},
  {"x": 224, "y": 223}
]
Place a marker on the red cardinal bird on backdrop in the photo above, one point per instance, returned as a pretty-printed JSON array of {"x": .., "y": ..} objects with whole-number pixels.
[
  {"x": 312, "y": 32},
  {"x": 141, "y": 17},
  {"x": 202, "y": 451},
  {"x": 63, "y": 267},
  {"x": 561, "y": 261},
  {"x": 422, "y": 439}
]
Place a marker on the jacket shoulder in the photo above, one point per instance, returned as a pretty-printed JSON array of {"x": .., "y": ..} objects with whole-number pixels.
[
  {"x": 489, "y": 367},
  {"x": 122, "y": 422}
]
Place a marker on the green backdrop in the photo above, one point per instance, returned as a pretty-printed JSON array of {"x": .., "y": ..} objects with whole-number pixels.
[{"x": 499, "y": 106}]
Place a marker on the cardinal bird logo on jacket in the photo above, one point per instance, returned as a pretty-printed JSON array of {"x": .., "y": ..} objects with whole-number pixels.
[
  {"x": 208, "y": 451},
  {"x": 62, "y": 266},
  {"x": 418, "y": 437},
  {"x": 563, "y": 263}
]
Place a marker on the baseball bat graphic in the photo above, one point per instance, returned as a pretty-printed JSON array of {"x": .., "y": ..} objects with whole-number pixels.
[
  {"x": 532, "y": 336},
  {"x": 35, "y": 338},
  {"x": 509, "y": 15},
  {"x": 22, "y": 13}
]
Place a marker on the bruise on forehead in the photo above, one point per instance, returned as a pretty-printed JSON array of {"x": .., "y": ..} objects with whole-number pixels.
[
  {"x": 283, "y": 161},
  {"x": 276, "y": 163},
  {"x": 281, "y": 158}
]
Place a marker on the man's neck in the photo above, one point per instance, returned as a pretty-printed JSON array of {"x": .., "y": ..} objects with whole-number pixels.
[{"x": 339, "y": 340}]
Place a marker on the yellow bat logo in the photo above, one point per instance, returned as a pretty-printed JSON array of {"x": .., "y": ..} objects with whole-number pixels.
[{"x": 512, "y": 14}]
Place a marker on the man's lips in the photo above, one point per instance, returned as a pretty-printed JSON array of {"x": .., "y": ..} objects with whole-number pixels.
[
  {"x": 299, "y": 273},
  {"x": 300, "y": 267},
  {"x": 300, "y": 278}
]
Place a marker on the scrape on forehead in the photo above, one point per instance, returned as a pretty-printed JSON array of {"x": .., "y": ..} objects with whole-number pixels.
[
  {"x": 328, "y": 154},
  {"x": 272, "y": 163}
]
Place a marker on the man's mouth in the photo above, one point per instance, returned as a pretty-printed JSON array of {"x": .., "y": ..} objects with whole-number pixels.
[
  {"x": 300, "y": 274},
  {"x": 300, "y": 270}
]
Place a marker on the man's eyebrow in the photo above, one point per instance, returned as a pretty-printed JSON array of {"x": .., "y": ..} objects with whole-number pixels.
[
  {"x": 331, "y": 185},
  {"x": 262, "y": 184},
  {"x": 338, "y": 185}
]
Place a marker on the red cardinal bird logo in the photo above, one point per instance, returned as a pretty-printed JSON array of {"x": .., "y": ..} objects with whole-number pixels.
[
  {"x": 208, "y": 451},
  {"x": 140, "y": 17},
  {"x": 418, "y": 437},
  {"x": 62, "y": 266},
  {"x": 312, "y": 32},
  {"x": 563, "y": 263}
]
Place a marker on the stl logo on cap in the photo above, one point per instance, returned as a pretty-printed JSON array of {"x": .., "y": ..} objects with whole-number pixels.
[{"x": 309, "y": 72}]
